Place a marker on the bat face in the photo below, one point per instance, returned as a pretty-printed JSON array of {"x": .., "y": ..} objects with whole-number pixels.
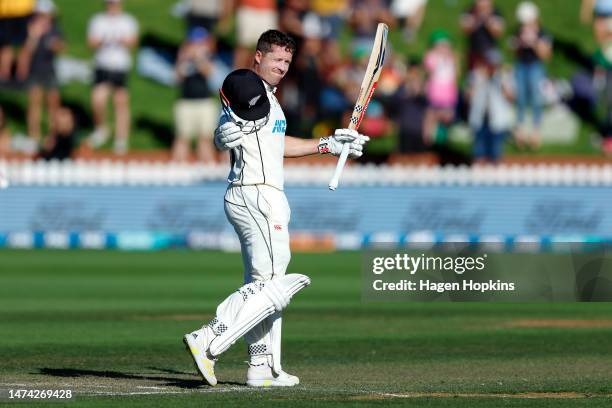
[{"x": 370, "y": 79}]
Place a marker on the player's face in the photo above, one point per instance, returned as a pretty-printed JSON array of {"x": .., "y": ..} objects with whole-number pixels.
[
  {"x": 113, "y": 7},
  {"x": 272, "y": 66}
]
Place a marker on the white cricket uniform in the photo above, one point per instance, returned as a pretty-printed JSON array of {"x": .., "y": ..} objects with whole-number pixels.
[
  {"x": 255, "y": 203},
  {"x": 256, "y": 206}
]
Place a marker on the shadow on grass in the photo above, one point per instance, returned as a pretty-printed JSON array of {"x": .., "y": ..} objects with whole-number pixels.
[{"x": 169, "y": 381}]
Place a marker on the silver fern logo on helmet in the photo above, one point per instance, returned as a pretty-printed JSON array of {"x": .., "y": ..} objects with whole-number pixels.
[{"x": 253, "y": 101}]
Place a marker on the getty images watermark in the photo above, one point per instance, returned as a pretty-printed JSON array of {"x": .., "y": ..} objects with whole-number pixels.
[
  {"x": 413, "y": 264},
  {"x": 568, "y": 272}
]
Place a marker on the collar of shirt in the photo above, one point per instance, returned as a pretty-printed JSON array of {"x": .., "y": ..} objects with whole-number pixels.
[{"x": 269, "y": 87}]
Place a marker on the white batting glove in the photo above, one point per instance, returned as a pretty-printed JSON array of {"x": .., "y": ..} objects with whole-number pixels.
[
  {"x": 228, "y": 136},
  {"x": 333, "y": 144}
]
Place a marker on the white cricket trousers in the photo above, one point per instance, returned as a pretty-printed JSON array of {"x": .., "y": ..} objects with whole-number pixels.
[{"x": 260, "y": 215}]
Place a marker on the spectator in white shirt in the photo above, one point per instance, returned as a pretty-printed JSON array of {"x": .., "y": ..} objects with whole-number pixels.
[
  {"x": 410, "y": 15},
  {"x": 112, "y": 34}
]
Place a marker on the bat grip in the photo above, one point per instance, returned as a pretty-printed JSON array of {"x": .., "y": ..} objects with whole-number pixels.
[{"x": 333, "y": 184}]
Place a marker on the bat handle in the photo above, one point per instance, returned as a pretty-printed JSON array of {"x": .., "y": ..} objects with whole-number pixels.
[{"x": 333, "y": 184}]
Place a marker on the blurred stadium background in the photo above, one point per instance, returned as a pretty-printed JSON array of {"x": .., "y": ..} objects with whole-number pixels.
[{"x": 427, "y": 182}]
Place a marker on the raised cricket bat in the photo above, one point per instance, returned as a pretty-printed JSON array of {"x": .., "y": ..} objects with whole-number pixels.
[{"x": 377, "y": 57}]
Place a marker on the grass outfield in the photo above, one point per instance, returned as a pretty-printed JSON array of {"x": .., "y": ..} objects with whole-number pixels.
[{"x": 108, "y": 326}]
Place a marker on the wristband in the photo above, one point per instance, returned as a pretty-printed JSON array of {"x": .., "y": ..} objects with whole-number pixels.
[{"x": 323, "y": 145}]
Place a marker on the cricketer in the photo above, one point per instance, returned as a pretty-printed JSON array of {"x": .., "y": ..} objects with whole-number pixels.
[{"x": 252, "y": 127}]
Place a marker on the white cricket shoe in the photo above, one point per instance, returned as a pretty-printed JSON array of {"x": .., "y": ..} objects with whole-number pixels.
[
  {"x": 99, "y": 136},
  {"x": 197, "y": 345},
  {"x": 121, "y": 147},
  {"x": 262, "y": 376}
]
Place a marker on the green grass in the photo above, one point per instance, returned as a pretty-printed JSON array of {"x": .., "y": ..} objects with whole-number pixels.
[{"x": 111, "y": 322}]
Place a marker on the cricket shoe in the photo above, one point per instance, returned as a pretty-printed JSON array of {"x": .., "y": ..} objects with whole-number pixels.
[
  {"x": 261, "y": 375},
  {"x": 197, "y": 345},
  {"x": 98, "y": 137},
  {"x": 121, "y": 147}
]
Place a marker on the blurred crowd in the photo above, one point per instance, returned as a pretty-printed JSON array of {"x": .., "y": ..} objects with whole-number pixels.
[{"x": 497, "y": 89}]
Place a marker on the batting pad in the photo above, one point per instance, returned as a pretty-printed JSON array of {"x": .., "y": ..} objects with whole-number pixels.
[
  {"x": 274, "y": 295},
  {"x": 265, "y": 340},
  {"x": 275, "y": 339}
]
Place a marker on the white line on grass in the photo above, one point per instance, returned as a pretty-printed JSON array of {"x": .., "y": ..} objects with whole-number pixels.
[{"x": 164, "y": 392}]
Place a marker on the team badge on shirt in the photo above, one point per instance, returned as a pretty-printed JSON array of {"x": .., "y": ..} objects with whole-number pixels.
[{"x": 280, "y": 125}]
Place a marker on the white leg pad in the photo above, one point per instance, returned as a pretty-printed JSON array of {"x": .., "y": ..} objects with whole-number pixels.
[
  {"x": 260, "y": 300},
  {"x": 275, "y": 339},
  {"x": 264, "y": 342}
]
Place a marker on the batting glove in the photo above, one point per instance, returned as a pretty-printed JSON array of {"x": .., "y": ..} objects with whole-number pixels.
[
  {"x": 333, "y": 144},
  {"x": 228, "y": 136}
]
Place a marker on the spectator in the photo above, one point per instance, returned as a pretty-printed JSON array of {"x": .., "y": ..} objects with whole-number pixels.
[
  {"x": 347, "y": 77},
  {"x": 409, "y": 107},
  {"x": 392, "y": 76},
  {"x": 332, "y": 103},
  {"x": 375, "y": 121},
  {"x": 302, "y": 87},
  {"x": 332, "y": 14},
  {"x": 5, "y": 136},
  {"x": 603, "y": 66},
  {"x": 204, "y": 13},
  {"x": 602, "y": 11},
  {"x": 490, "y": 116},
  {"x": 442, "y": 68},
  {"x": 37, "y": 67},
  {"x": 112, "y": 34},
  {"x": 196, "y": 112},
  {"x": 603, "y": 81},
  {"x": 483, "y": 24},
  {"x": 366, "y": 14},
  {"x": 253, "y": 17},
  {"x": 532, "y": 46},
  {"x": 14, "y": 17},
  {"x": 216, "y": 17},
  {"x": 410, "y": 14},
  {"x": 60, "y": 144},
  {"x": 292, "y": 17}
]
